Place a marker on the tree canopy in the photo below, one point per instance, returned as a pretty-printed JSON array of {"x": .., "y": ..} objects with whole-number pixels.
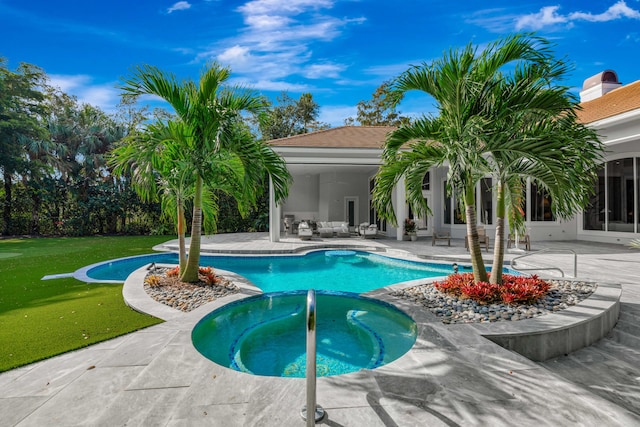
[
  {"x": 380, "y": 110},
  {"x": 500, "y": 113},
  {"x": 290, "y": 117},
  {"x": 215, "y": 149}
]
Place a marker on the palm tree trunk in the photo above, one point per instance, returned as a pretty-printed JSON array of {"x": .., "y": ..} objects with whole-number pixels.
[
  {"x": 190, "y": 273},
  {"x": 498, "y": 250},
  {"x": 181, "y": 240},
  {"x": 479, "y": 271}
]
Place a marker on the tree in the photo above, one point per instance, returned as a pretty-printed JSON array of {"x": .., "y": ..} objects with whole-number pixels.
[
  {"x": 547, "y": 145},
  {"x": 158, "y": 165},
  {"x": 463, "y": 84},
  {"x": 290, "y": 117},
  {"x": 209, "y": 112},
  {"x": 380, "y": 110},
  {"x": 21, "y": 111}
]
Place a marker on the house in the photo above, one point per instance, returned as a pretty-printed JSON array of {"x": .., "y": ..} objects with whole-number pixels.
[{"x": 333, "y": 173}]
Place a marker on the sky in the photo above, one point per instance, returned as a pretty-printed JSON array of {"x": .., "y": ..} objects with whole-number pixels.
[{"x": 340, "y": 51}]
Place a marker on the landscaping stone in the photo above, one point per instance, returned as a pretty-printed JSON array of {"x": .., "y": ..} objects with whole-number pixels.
[
  {"x": 187, "y": 296},
  {"x": 563, "y": 294}
]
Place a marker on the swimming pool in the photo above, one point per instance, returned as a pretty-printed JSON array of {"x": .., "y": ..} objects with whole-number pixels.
[
  {"x": 352, "y": 271},
  {"x": 265, "y": 334}
]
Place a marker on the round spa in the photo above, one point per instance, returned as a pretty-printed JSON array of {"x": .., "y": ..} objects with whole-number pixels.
[{"x": 266, "y": 334}]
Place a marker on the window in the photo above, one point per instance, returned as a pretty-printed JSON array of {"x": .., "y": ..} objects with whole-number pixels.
[
  {"x": 616, "y": 202},
  {"x": 449, "y": 203},
  {"x": 620, "y": 197},
  {"x": 540, "y": 204},
  {"x": 593, "y": 216},
  {"x": 426, "y": 181},
  {"x": 486, "y": 201},
  {"x": 375, "y": 219}
]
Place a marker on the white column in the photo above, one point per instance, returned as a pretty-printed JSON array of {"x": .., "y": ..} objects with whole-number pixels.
[
  {"x": 401, "y": 211},
  {"x": 274, "y": 215}
]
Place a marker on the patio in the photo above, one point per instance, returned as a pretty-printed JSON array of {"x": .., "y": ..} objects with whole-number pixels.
[{"x": 452, "y": 376}]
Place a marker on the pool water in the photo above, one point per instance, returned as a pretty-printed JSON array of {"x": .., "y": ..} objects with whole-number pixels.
[
  {"x": 265, "y": 335},
  {"x": 349, "y": 271}
]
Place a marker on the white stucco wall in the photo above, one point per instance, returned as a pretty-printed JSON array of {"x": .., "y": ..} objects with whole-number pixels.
[{"x": 303, "y": 198}]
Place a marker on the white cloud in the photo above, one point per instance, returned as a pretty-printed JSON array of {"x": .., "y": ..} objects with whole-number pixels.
[
  {"x": 68, "y": 83},
  {"x": 267, "y": 22},
  {"x": 236, "y": 56},
  {"x": 279, "y": 86},
  {"x": 548, "y": 16},
  {"x": 181, "y": 5},
  {"x": 260, "y": 7},
  {"x": 277, "y": 38},
  {"x": 617, "y": 11},
  {"x": 104, "y": 96},
  {"x": 335, "y": 114},
  {"x": 322, "y": 71}
]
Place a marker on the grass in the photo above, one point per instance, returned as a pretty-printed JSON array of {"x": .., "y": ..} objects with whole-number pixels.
[{"x": 43, "y": 318}]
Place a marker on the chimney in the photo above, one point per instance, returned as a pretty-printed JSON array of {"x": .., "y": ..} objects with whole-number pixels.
[{"x": 598, "y": 85}]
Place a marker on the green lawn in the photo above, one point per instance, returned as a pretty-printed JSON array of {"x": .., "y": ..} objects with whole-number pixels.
[{"x": 43, "y": 318}]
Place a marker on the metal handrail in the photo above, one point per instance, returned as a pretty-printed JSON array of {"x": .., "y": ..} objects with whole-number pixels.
[
  {"x": 318, "y": 412},
  {"x": 575, "y": 261}
]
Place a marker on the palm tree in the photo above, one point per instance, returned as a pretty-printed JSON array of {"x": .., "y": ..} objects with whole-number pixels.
[
  {"x": 155, "y": 163},
  {"x": 558, "y": 154},
  {"x": 462, "y": 84},
  {"x": 210, "y": 115}
]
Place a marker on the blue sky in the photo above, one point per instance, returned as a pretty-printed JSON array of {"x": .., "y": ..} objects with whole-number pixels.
[{"x": 338, "y": 50}]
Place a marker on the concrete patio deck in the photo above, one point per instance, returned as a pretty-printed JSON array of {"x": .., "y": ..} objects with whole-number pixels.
[{"x": 452, "y": 376}]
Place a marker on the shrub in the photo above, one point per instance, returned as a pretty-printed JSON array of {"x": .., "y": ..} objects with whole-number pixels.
[
  {"x": 208, "y": 275},
  {"x": 483, "y": 292},
  {"x": 409, "y": 225},
  {"x": 174, "y": 272},
  {"x": 514, "y": 289},
  {"x": 152, "y": 280}
]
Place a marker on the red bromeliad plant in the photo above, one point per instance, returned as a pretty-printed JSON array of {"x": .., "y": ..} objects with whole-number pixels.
[
  {"x": 173, "y": 272},
  {"x": 207, "y": 274},
  {"x": 514, "y": 289}
]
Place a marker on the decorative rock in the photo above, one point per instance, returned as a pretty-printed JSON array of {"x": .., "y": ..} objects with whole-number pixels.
[
  {"x": 562, "y": 295},
  {"x": 188, "y": 296}
]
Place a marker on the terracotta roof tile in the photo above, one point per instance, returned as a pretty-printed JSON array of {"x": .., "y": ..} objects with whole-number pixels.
[
  {"x": 339, "y": 137},
  {"x": 621, "y": 100}
]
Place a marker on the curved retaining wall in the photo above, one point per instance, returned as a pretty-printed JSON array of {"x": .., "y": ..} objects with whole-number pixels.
[{"x": 560, "y": 333}]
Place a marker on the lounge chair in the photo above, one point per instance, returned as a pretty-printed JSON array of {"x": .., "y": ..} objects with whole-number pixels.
[
  {"x": 440, "y": 235},
  {"x": 304, "y": 231}
]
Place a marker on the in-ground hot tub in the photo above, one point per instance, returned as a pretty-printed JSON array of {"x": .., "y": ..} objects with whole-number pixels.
[{"x": 265, "y": 334}]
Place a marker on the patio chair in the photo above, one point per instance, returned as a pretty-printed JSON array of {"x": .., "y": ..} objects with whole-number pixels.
[
  {"x": 522, "y": 240},
  {"x": 483, "y": 239},
  {"x": 288, "y": 224},
  {"x": 440, "y": 235},
  {"x": 304, "y": 231},
  {"x": 367, "y": 230}
]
